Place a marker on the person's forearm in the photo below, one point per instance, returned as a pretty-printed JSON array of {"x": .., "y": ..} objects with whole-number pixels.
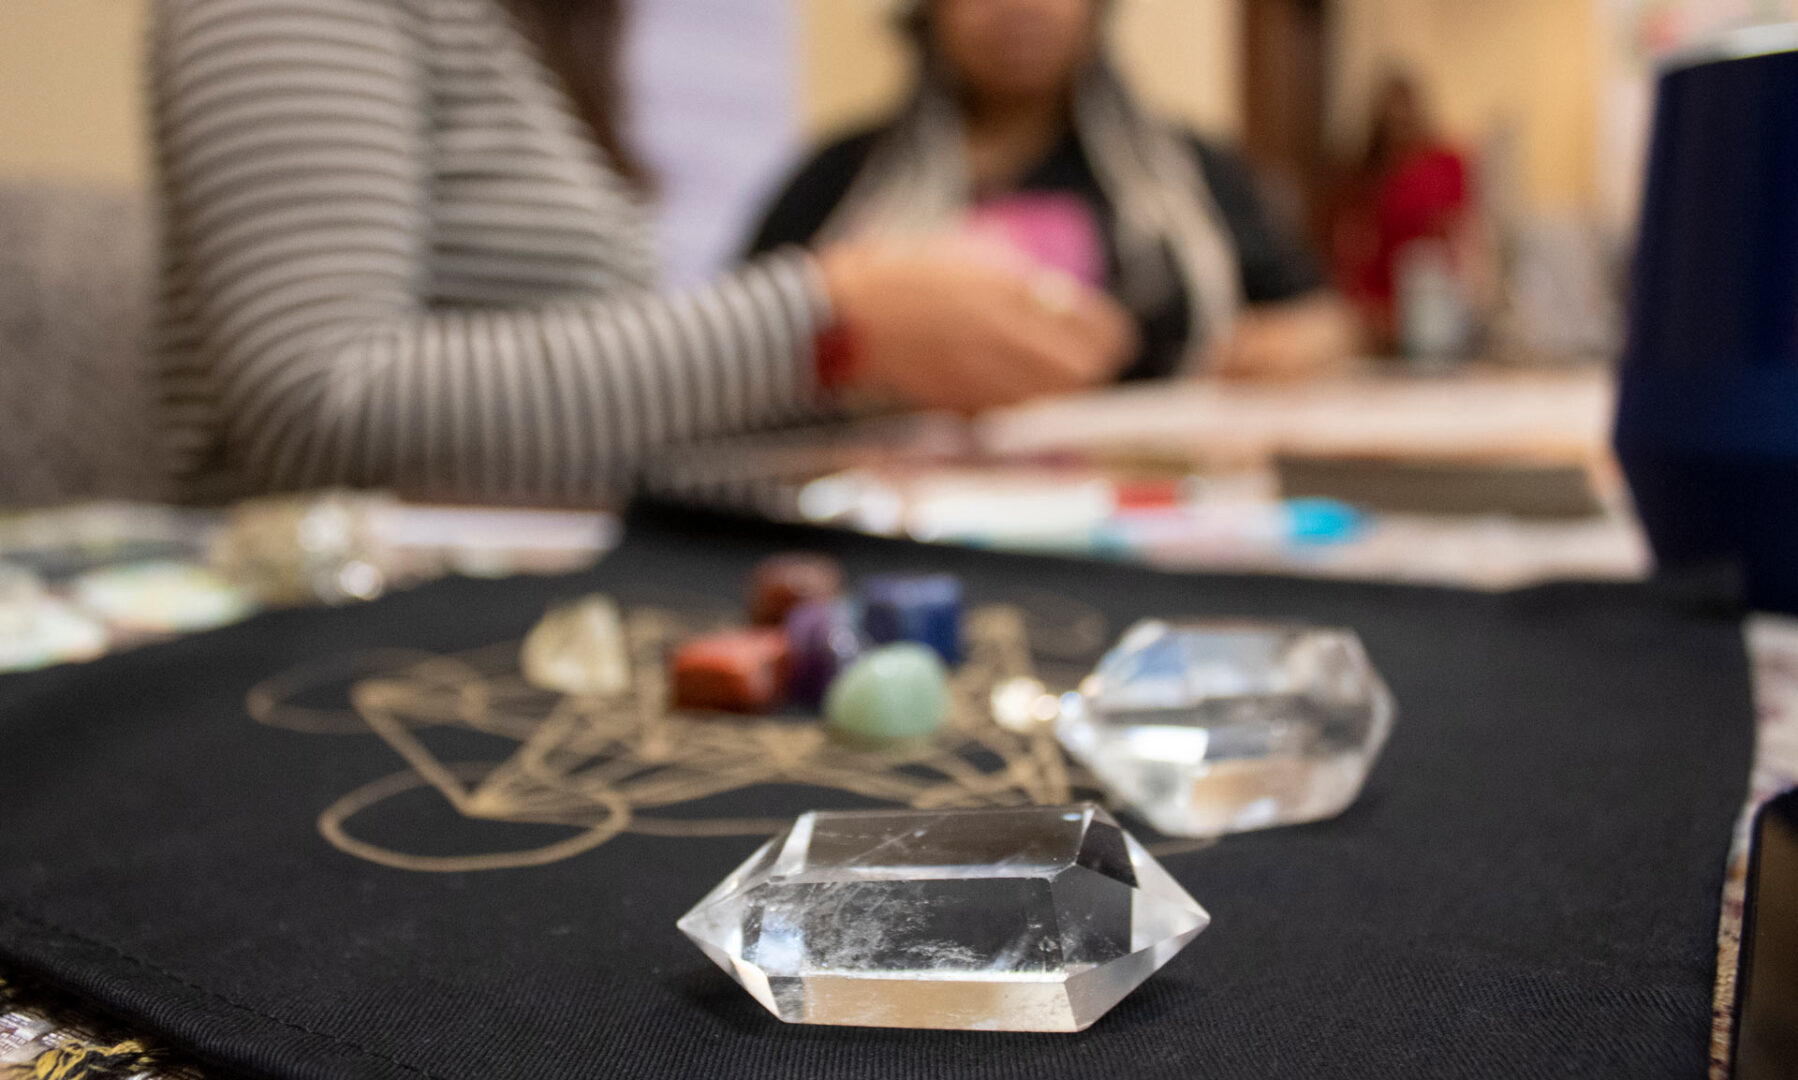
[
  {"x": 1311, "y": 335},
  {"x": 558, "y": 403}
]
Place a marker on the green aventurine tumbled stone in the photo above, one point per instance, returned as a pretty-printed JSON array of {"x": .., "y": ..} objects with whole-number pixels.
[{"x": 899, "y": 692}]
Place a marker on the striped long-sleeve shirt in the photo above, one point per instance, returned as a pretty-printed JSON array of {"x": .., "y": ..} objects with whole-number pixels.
[{"x": 395, "y": 256}]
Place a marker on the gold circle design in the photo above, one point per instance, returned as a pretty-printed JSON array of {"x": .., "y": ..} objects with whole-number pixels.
[{"x": 331, "y": 826}]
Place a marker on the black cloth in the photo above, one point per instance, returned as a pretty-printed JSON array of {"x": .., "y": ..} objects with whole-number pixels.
[
  {"x": 1528, "y": 888},
  {"x": 1272, "y": 258}
]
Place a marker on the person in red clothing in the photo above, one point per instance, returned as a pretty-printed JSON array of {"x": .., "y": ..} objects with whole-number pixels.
[{"x": 1412, "y": 186}]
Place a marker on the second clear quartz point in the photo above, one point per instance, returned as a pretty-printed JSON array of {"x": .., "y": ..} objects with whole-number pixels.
[{"x": 1213, "y": 728}]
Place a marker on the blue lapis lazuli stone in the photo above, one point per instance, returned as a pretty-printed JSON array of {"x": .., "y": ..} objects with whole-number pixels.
[{"x": 925, "y": 609}]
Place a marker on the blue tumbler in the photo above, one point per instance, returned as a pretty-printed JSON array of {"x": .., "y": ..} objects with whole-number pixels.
[{"x": 1707, "y": 426}]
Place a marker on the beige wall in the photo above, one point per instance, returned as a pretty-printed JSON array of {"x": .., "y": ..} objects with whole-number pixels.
[
  {"x": 69, "y": 89},
  {"x": 1182, "y": 54},
  {"x": 70, "y": 104},
  {"x": 1186, "y": 57},
  {"x": 1532, "y": 66}
]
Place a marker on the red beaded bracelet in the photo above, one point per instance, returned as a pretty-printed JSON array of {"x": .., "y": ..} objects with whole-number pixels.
[{"x": 837, "y": 355}]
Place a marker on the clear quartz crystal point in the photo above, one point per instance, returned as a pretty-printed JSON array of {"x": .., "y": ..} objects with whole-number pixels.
[
  {"x": 579, "y": 649},
  {"x": 1213, "y": 728},
  {"x": 1027, "y": 919}
]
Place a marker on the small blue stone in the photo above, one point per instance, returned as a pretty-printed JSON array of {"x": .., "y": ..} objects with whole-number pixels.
[{"x": 925, "y": 609}]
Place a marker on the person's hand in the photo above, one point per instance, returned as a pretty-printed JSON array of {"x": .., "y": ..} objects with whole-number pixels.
[
  {"x": 957, "y": 324},
  {"x": 1302, "y": 339}
]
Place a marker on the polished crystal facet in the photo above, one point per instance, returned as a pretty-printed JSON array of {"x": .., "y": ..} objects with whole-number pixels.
[
  {"x": 1213, "y": 728},
  {"x": 1030, "y": 919}
]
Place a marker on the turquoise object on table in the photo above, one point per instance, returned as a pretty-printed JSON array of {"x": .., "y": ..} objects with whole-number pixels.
[
  {"x": 1323, "y": 521},
  {"x": 897, "y": 692},
  {"x": 922, "y": 608}
]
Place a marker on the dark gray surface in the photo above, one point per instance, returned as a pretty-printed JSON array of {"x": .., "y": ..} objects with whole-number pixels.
[{"x": 1528, "y": 888}]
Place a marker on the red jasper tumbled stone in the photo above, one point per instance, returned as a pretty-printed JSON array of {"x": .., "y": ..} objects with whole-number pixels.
[{"x": 740, "y": 671}]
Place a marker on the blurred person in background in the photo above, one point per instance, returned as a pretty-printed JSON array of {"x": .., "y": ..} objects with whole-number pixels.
[
  {"x": 1021, "y": 129},
  {"x": 1408, "y": 207},
  {"x": 406, "y": 245}
]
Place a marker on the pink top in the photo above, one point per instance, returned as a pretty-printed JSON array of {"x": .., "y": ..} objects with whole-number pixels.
[{"x": 1055, "y": 230}]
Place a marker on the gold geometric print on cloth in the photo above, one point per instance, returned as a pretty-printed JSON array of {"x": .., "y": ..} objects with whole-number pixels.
[{"x": 604, "y": 766}]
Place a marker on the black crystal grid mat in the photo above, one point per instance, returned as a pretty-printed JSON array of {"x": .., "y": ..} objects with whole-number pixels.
[{"x": 1529, "y": 886}]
